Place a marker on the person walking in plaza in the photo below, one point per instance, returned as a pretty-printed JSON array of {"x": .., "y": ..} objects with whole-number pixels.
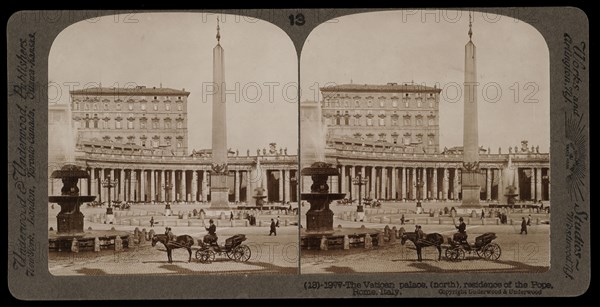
[
  {"x": 523, "y": 226},
  {"x": 231, "y": 216},
  {"x": 273, "y": 228},
  {"x": 482, "y": 214},
  {"x": 277, "y": 222},
  {"x": 152, "y": 222},
  {"x": 402, "y": 219},
  {"x": 529, "y": 220}
]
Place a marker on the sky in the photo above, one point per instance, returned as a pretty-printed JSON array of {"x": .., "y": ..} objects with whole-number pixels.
[
  {"x": 427, "y": 47},
  {"x": 175, "y": 50}
]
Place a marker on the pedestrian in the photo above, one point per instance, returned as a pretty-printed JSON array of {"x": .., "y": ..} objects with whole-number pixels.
[
  {"x": 402, "y": 219},
  {"x": 523, "y": 226},
  {"x": 231, "y": 216},
  {"x": 152, "y": 222},
  {"x": 273, "y": 228},
  {"x": 277, "y": 223},
  {"x": 482, "y": 214},
  {"x": 529, "y": 220}
]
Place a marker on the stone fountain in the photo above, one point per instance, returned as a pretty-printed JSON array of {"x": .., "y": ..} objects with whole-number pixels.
[
  {"x": 319, "y": 232},
  {"x": 319, "y": 218},
  {"x": 259, "y": 197},
  {"x": 70, "y": 233},
  {"x": 70, "y": 219}
]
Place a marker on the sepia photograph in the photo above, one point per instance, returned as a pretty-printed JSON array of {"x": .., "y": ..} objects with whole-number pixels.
[
  {"x": 425, "y": 141},
  {"x": 172, "y": 146}
]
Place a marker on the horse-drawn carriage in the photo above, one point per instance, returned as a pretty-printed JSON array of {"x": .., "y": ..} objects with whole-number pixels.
[
  {"x": 457, "y": 247},
  {"x": 484, "y": 247},
  {"x": 233, "y": 249}
]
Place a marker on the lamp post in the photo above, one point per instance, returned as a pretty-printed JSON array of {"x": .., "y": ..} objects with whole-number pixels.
[
  {"x": 167, "y": 187},
  {"x": 360, "y": 181},
  {"x": 108, "y": 183},
  {"x": 419, "y": 184}
]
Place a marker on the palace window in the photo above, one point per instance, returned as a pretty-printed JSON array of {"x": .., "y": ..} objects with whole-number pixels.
[
  {"x": 118, "y": 106},
  {"x": 406, "y": 104},
  {"x": 154, "y": 143},
  {"x": 406, "y": 120},
  {"x": 155, "y": 107},
  {"x": 105, "y": 124},
  {"x": 167, "y": 106},
  {"x": 106, "y": 106},
  {"x": 143, "y": 123},
  {"x": 418, "y": 103},
  {"x": 431, "y": 104},
  {"x": 370, "y": 103},
  {"x": 369, "y": 122},
  {"x": 381, "y": 104},
  {"x": 406, "y": 139},
  {"x": 155, "y": 124},
  {"x": 180, "y": 124},
  {"x": 395, "y": 104},
  {"x": 346, "y": 118},
  {"x": 381, "y": 121},
  {"x": 357, "y": 104},
  {"x": 130, "y": 124},
  {"x": 117, "y": 124},
  {"x": 167, "y": 123},
  {"x": 419, "y": 138},
  {"x": 179, "y": 144},
  {"x": 143, "y": 143},
  {"x": 431, "y": 139},
  {"x": 180, "y": 107},
  {"x": 419, "y": 121},
  {"x": 431, "y": 122},
  {"x": 143, "y": 106},
  {"x": 96, "y": 123},
  {"x": 130, "y": 106},
  {"x": 95, "y": 106}
]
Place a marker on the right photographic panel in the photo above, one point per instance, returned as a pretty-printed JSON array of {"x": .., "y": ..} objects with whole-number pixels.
[{"x": 425, "y": 140}]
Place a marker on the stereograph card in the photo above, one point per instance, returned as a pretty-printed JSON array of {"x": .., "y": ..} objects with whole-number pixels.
[{"x": 297, "y": 153}]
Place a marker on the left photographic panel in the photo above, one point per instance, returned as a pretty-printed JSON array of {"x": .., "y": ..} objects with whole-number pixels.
[{"x": 172, "y": 146}]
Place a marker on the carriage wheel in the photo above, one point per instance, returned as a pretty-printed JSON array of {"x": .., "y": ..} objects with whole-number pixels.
[
  {"x": 230, "y": 254},
  {"x": 455, "y": 254},
  {"x": 492, "y": 251},
  {"x": 205, "y": 256},
  {"x": 480, "y": 252},
  {"x": 242, "y": 253}
]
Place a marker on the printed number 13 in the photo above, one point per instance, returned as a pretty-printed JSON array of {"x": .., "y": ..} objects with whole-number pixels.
[{"x": 297, "y": 19}]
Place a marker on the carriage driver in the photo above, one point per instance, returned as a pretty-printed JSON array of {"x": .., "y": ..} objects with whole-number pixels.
[
  {"x": 461, "y": 236},
  {"x": 211, "y": 237}
]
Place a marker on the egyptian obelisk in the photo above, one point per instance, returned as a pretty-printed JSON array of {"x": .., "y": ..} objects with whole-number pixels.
[
  {"x": 470, "y": 169},
  {"x": 219, "y": 190}
]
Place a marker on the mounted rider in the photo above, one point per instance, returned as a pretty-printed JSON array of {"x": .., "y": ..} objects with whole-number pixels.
[{"x": 169, "y": 234}]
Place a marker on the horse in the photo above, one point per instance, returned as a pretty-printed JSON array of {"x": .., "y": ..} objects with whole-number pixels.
[
  {"x": 183, "y": 241},
  {"x": 432, "y": 239}
]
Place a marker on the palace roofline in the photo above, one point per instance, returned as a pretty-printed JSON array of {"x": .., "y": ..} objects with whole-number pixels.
[
  {"x": 138, "y": 90},
  {"x": 390, "y": 87}
]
